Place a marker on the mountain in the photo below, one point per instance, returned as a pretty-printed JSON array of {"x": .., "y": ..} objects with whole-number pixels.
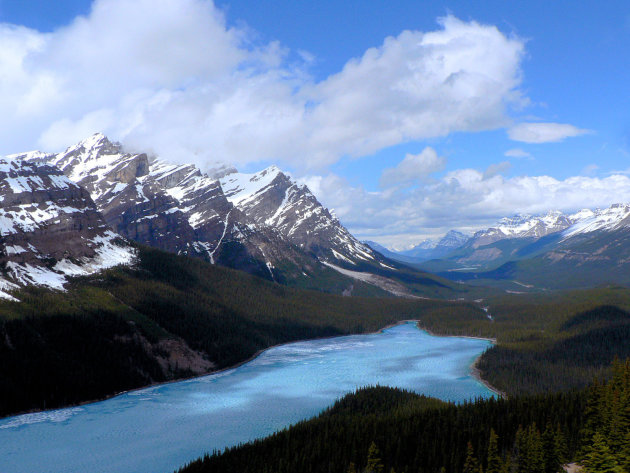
[
  {"x": 515, "y": 237},
  {"x": 453, "y": 239},
  {"x": 522, "y": 226},
  {"x": 584, "y": 249},
  {"x": 388, "y": 253},
  {"x": 426, "y": 250},
  {"x": 263, "y": 223},
  {"x": 50, "y": 229},
  {"x": 272, "y": 199},
  {"x": 169, "y": 206},
  {"x": 431, "y": 250}
]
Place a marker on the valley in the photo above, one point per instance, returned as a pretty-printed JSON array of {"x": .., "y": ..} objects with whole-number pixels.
[{"x": 166, "y": 273}]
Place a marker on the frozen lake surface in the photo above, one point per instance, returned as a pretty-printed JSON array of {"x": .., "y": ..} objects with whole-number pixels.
[{"x": 158, "y": 429}]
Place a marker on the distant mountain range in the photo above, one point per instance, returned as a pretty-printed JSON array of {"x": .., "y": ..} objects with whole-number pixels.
[
  {"x": 263, "y": 223},
  {"x": 553, "y": 250}
]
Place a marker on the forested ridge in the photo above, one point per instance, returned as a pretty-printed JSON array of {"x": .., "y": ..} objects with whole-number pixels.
[
  {"x": 547, "y": 342},
  {"x": 383, "y": 429}
]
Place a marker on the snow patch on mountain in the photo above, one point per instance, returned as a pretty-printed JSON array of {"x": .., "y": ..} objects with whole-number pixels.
[
  {"x": 242, "y": 189},
  {"x": 7, "y": 286}
]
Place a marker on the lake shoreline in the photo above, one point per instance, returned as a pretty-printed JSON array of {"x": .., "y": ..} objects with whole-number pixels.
[{"x": 474, "y": 370}]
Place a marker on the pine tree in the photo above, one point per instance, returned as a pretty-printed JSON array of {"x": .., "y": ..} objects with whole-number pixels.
[
  {"x": 494, "y": 464},
  {"x": 625, "y": 454},
  {"x": 562, "y": 449},
  {"x": 471, "y": 465},
  {"x": 554, "y": 449},
  {"x": 534, "y": 461},
  {"x": 592, "y": 416},
  {"x": 600, "y": 459},
  {"x": 374, "y": 463},
  {"x": 519, "y": 458},
  {"x": 352, "y": 468}
]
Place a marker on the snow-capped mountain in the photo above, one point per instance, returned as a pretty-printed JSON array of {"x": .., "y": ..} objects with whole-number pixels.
[
  {"x": 173, "y": 207},
  {"x": 271, "y": 198},
  {"x": 555, "y": 250},
  {"x": 586, "y": 221},
  {"x": 50, "y": 228},
  {"x": 430, "y": 248},
  {"x": 264, "y": 223},
  {"x": 427, "y": 244},
  {"x": 522, "y": 226}
]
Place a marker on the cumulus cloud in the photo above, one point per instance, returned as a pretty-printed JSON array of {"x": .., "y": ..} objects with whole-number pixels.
[
  {"x": 174, "y": 78},
  {"x": 464, "y": 199},
  {"x": 414, "y": 167},
  {"x": 544, "y": 132},
  {"x": 517, "y": 153}
]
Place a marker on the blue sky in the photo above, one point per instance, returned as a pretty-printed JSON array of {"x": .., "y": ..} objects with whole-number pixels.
[{"x": 280, "y": 81}]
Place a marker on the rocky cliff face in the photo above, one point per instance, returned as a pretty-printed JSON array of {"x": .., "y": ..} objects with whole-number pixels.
[
  {"x": 50, "y": 228},
  {"x": 271, "y": 198}
]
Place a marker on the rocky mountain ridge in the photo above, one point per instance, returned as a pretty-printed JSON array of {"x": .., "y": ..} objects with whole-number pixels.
[
  {"x": 50, "y": 229},
  {"x": 264, "y": 223}
]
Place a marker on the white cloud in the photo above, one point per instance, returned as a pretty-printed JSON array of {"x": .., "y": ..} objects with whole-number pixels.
[
  {"x": 414, "y": 167},
  {"x": 174, "y": 78},
  {"x": 517, "y": 153},
  {"x": 543, "y": 132},
  {"x": 464, "y": 199}
]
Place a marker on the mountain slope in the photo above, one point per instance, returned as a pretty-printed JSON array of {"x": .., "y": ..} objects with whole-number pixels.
[
  {"x": 50, "y": 229},
  {"x": 581, "y": 260},
  {"x": 553, "y": 251},
  {"x": 272, "y": 198}
]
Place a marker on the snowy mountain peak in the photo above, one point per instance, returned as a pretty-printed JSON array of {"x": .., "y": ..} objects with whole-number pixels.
[
  {"x": 271, "y": 198},
  {"x": 586, "y": 221},
  {"x": 243, "y": 189},
  {"x": 523, "y": 226},
  {"x": 94, "y": 146}
]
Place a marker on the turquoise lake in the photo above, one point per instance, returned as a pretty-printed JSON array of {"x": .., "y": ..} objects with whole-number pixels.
[{"x": 160, "y": 428}]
